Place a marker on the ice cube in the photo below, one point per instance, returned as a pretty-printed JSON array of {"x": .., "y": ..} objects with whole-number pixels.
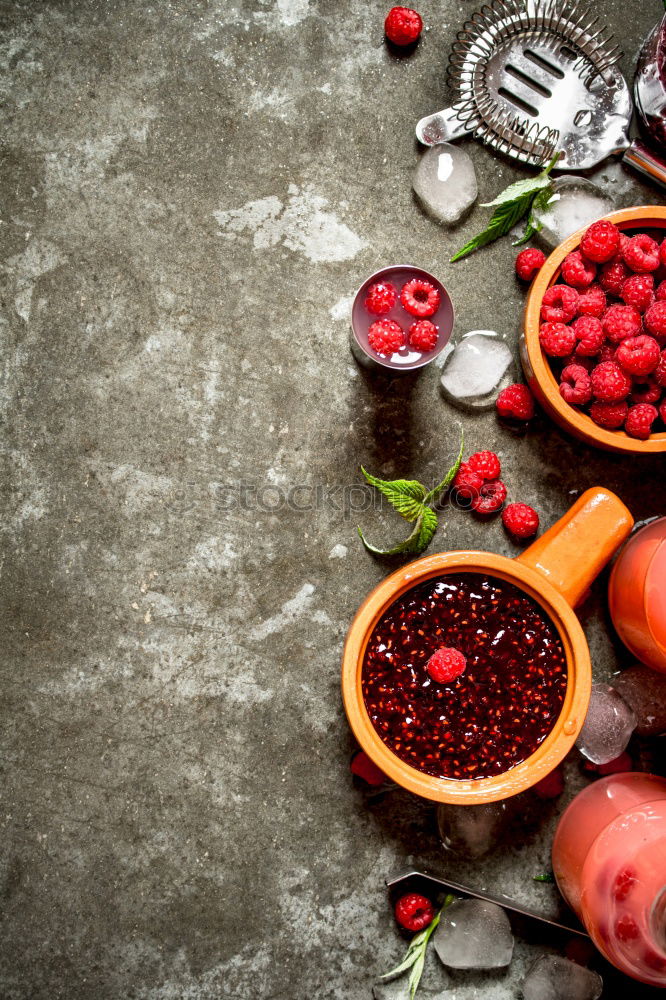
[
  {"x": 608, "y": 725},
  {"x": 475, "y": 369},
  {"x": 445, "y": 183},
  {"x": 474, "y": 934},
  {"x": 552, "y": 977},
  {"x": 575, "y": 203},
  {"x": 644, "y": 690},
  {"x": 472, "y": 831}
]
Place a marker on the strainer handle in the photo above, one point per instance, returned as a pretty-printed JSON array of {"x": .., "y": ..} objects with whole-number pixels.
[
  {"x": 445, "y": 126},
  {"x": 647, "y": 161}
]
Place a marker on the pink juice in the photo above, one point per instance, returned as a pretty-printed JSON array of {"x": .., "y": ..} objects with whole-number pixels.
[{"x": 609, "y": 859}]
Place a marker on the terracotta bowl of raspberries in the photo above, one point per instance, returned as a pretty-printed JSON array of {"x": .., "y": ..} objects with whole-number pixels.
[{"x": 594, "y": 344}]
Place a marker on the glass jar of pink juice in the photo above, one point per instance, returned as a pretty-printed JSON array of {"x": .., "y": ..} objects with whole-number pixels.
[{"x": 609, "y": 859}]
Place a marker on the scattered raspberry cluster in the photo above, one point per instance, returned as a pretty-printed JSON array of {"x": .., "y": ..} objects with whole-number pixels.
[
  {"x": 604, "y": 329},
  {"x": 477, "y": 482},
  {"x": 419, "y": 299}
]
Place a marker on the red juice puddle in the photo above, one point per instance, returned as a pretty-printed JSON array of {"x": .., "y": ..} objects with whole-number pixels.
[{"x": 498, "y": 711}]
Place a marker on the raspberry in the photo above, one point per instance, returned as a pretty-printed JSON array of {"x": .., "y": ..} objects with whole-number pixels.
[
  {"x": 556, "y": 339},
  {"x": 662, "y": 253},
  {"x": 578, "y": 272},
  {"x": 486, "y": 464},
  {"x": 381, "y": 298},
  {"x": 515, "y": 402},
  {"x": 592, "y": 302},
  {"x": 559, "y": 304},
  {"x": 655, "y": 319},
  {"x": 609, "y": 383},
  {"x": 385, "y": 336},
  {"x": 638, "y": 355},
  {"x": 467, "y": 483},
  {"x": 607, "y": 352},
  {"x": 624, "y": 883},
  {"x": 645, "y": 392},
  {"x": 491, "y": 497},
  {"x": 613, "y": 275},
  {"x": 590, "y": 336},
  {"x": 420, "y": 298},
  {"x": 620, "y": 322},
  {"x": 641, "y": 254},
  {"x": 660, "y": 294},
  {"x": 576, "y": 385},
  {"x": 551, "y": 786},
  {"x": 414, "y": 912},
  {"x": 660, "y": 371},
  {"x": 423, "y": 335},
  {"x": 639, "y": 420},
  {"x": 520, "y": 520},
  {"x": 626, "y": 928},
  {"x": 617, "y": 766},
  {"x": 662, "y": 411},
  {"x": 528, "y": 262},
  {"x": 579, "y": 359},
  {"x": 601, "y": 241},
  {"x": 638, "y": 291},
  {"x": 609, "y": 415},
  {"x": 445, "y": 664},
  {"x": 364, "y": 768},
  {"x": 403, "y": 26}
]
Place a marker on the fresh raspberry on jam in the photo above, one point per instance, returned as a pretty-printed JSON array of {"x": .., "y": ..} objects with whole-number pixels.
[
  {"x": 641, "y": 254},
  {"x": 577, "y": 271},
  {"x": 660, "y": 292},
  {"x": 381, "y": 298},
  {"x": 655, "y": 320},
  {"x": 516, "y": 402},
  {"x": 624, "y": 883},
  {"x": 592, "y": 302},
  {"x": 445, "y": 664},
  {"x": 620, "y": 322},
  {"x": 385, "y": 336},
  {"x": 403, "y": 25},
  {"x": 626, "y": 928},
  {"x": 559, "y": 304},
  {"x": 551, "y": 786},
  {"x": 520, "y": 520},
  {"x": 638, "y": 291},
  {"x": 491, "y": 497},
  {"x": 609, "y": 415},
  {"x": 423, "y": 335},
  {"x": 529, "y": 262},
  {"x": 613, "y": 275},
  {"x": 420, "y": 298},
  {"x": 640, "y": 419},
  {"x": 590, "y": 336},
  {"x": 638, "y": 355},
  {"x": 660, "y": 370},
  {"x": 366, "y": 769},
  {"x": 486, "y": 464},
  {"x": 645, "y": 392},
  {"x": 601, "y": 241},
  {"x": 414, "y": 912},
  {"x": 575, "y": 385},
  {"x": 557, "y": 339},
  {"x": 609, "y": 383},
  {"x": 466, "y": 483}
]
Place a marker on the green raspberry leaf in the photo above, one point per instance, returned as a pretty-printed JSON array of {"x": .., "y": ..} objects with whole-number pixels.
[
  {"x": 405, "y": 495},
  {"x": 435, "y": 493},
  {"x": 421, "y": 536}
]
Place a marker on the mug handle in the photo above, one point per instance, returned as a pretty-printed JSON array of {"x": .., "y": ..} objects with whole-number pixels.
[{"x": 577, "y": 547}]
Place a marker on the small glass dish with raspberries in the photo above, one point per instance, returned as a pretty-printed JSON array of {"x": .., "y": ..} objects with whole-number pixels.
[
  {"x": 594, "y": 341},
  {"x": 402, "y": 318}
]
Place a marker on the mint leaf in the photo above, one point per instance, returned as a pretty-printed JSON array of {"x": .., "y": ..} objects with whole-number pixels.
[
  {"x": 548, "y": 877},
  {"x": 531, "y": 185},
  {"x": 421, "y": 536},
  {"x": 405, "y": 495},
  {"x": 435, "y": 493}
]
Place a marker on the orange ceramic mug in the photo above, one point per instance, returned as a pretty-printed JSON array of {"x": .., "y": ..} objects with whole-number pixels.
[
  {"x": 637, "y": 594},
  {"x": 555, "y": 571}
]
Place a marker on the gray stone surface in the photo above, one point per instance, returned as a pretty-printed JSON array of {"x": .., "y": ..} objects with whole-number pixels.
[{"x": 191, "y": 192}]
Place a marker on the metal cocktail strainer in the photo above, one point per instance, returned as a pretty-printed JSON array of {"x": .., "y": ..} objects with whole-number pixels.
[{"x": 536, "y": 76}]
